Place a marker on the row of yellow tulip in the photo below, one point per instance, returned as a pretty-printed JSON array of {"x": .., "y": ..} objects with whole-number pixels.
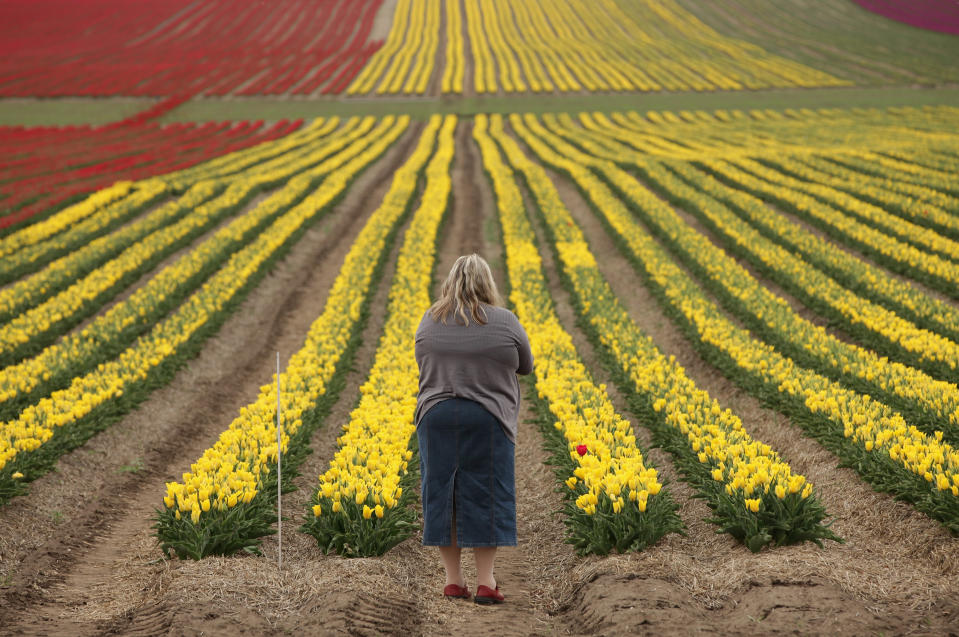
[
  {"x": 30, "y": 443},
  {"x": 70, "y": 216},
  {"x": 421, "y": 70},
  {"x": 405, "y": 64},
  {"x": 455, "y": 70},
  {"x": 934, "y": 270},
  {"x": 857, "y": 274},
  {"x": 865, "y": 433},
  {"x": 904, "y": 172},
  {"x": 226, "y": 500},
  {"x": 919, "y": 209},
  {"x": 941, "y": 158},
  {"x": 927, "y": 402},
  {"x": 54, "y": 367},
  {"x": 359, "y": 507},
  {"x": 928, "y": 183},
  {"x": 907, "y": 196},
  {"x": 265, "y": 156},
  {"x": 496, "y": 28},
  {"x": 37, "y": 244},
  {"x": 74, "y": 235},
  {"x": 484, "y": 71},
  {"x": 200, "y": 183},
  {"x": 840, "y": 134},
  {"x": 754, "y": 494},
  {"x": 830, "y": 152},
  {"x": 924, "y": 239},
  {"x": 880, "y": 329},
  {"x": 63, "y": 310},
  {"x": 615, "y": 500},
  {"x": 646, "y": 46},
  {"x": 572, "y": 45},
  {"x": 367, "y": 79},
  {"x": 27, "y": 332},
  {"x": 29, "y": 291}
]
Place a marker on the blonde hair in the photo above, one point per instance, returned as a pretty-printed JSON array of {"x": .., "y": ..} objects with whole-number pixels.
[{"x": 468, "y": 285}]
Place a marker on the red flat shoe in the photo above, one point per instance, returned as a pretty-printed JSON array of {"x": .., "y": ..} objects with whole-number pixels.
[
  {"x": 459, "y": 592},
  {"x": 487, "y": 595}
]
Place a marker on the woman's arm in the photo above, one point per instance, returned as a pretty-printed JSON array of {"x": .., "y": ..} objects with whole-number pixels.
[{"x": 525, "y": 353}]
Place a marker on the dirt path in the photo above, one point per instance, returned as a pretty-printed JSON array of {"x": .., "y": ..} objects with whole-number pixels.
[
  {"x": 706, "y": 583},
  {"x": 525, "y": 573},
  {"x": 383, "y": 21},
  {"x": 434, "y": 87},
  {"x": 78, "y": 552},
  {"x": 462, "y": 231},
  {"x": 469, "y": 81}
]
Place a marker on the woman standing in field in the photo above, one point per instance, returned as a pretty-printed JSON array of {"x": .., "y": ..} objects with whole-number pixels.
[{"x": 469, "y": 349}]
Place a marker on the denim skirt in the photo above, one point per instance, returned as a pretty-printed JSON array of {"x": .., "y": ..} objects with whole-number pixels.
[{"x": 467, "y": 470}]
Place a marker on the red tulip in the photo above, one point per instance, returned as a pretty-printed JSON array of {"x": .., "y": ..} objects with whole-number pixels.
[{"x": 581, "y": 450}]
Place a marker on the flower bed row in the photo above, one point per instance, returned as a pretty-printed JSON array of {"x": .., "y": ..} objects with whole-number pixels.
[
  {"x": 892, "y": 173},
  {"x": 31, "y": 248},
  {"x": 754, "y": 495},
  {"x": 66, "y": 218},
  {"x": 262, "y": 156},
  {"x": 122, "y": 48},
  {"x": 929, "y": 403},
  {"x": 30, "y": 444},
  {"x": 857, "y": 274},
  {"x": 937, "y": 164},
  {"x": 866, "y": 434},
  {"x": 226, "y": 501},
  {"x": 572, "y": 45},
  {"x": 614, "y": 500},
  {"x": 46, "y": 168},
  {"x": 32, "y": 290},
  {"x": 455, "y": 69},
  {"x": 934, "y": 239},
  {"x": 405, "y": 62},
  {"x": 919, "y": 204},
  {"x": 360, "y": 507},
  {"x": 881, "y": 329},
  {"x": 933, "y": 270},
  {"x": 37, "y": 327},
  {"x": 109, "y": 333}
]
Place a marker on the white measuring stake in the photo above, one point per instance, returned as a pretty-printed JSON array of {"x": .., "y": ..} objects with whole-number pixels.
[{"x": 279, "y": 474}]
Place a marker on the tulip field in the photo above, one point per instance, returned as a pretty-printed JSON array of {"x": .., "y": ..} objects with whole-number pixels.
[
  {"x": 172, "y": 47},
  {"x": 743, "y": 416}
]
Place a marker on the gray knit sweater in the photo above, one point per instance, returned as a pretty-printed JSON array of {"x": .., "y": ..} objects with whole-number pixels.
[{"x": 478, "y": 362}]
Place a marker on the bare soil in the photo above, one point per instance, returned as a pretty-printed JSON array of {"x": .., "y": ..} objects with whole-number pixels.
[
  {"x": 434, "y": 87},
  {"x": 469, "y": 82},
  {"x": 383, "y": 21}
]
